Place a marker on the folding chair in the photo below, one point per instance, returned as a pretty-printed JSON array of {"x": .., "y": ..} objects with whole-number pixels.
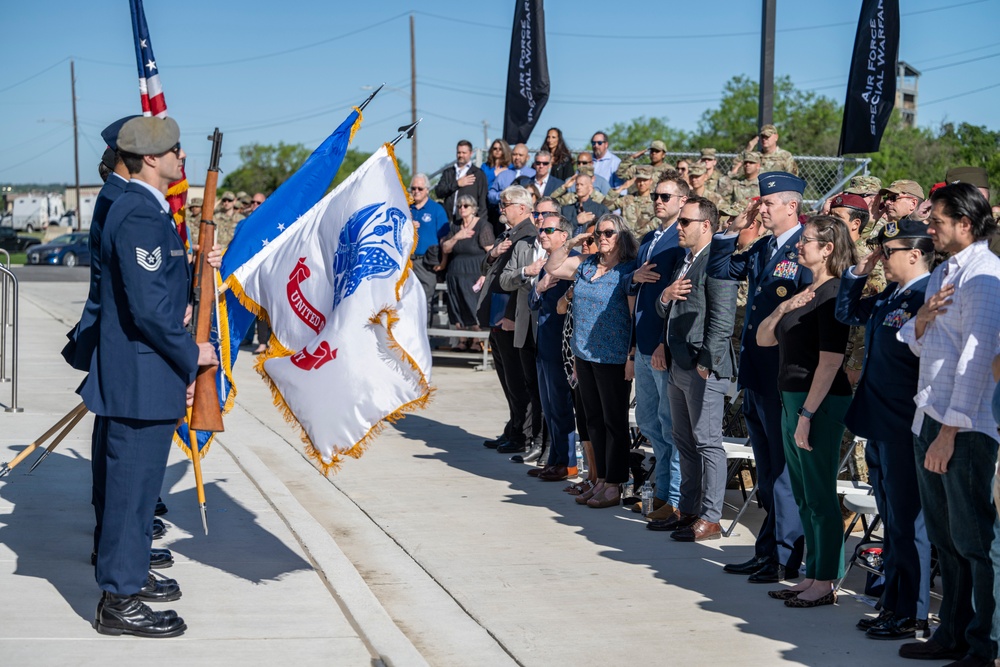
[{"x": 739, "y": 457}]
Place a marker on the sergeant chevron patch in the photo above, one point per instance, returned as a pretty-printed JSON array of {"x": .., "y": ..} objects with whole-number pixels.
[{"x": 149, "y": 260}]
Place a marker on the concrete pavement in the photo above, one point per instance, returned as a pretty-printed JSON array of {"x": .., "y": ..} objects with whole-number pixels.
[{"x": 429, "y": 548}]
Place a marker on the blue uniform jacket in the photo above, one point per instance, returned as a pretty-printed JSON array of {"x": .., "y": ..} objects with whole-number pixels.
[
  {"x": 770, "y": 281},
  {"x": 145, "y": 358},
  {"x": 83, "y": 337},
  {"x": 550, "y": 322},
  {"x": 883, "y": 405},
  {"x": 666, "y": 255}
]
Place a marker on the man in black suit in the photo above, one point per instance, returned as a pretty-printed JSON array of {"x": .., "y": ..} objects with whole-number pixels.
[
  {"x": 543, "y": 178},
  {"x": 463, "y": 178},
  {"x": 585, "y": 211},
  {"x": 142, "y": 374},
  {"x": 699, "y": 314}
]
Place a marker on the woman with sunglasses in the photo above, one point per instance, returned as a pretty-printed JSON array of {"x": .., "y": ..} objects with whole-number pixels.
[
  {"x": 463, "y": 252},
  {"x": 815, "y": 394},
  {"x": 497, "y": 161},
  {"x": 562, "y": 159},
  {"x": 602, "y": 334}
]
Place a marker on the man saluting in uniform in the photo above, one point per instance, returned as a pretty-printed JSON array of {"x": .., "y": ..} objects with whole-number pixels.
[{"x": 143, "y": 376}]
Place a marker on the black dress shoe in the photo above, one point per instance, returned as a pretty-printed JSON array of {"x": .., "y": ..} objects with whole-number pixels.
[
  {"x": 159, "y": 529},
  {"x": 160, "y": 559},
  {"x": 676, "y": 522},
  {"x": 496, "y": 442},
  {"x": 772, "y": 573},
  {"x": 930, "y": 650},
  {"x": 159, "y": 590},
  {"x": 161, "y": 509},
  {"x": 884, "y": 617},
  {"x": 749, "y": 567},
  {"x": 126, "y": 614},
  {"x": 972, "y": 661},
  {"x": 511, "y": 447},
  {"x": 898, "y": 628}
]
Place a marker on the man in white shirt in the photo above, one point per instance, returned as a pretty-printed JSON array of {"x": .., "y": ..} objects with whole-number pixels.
[{"x": 955, "y": 438}]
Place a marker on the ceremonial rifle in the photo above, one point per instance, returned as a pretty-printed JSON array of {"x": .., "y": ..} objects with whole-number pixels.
[{"x": 205, "y": 414}]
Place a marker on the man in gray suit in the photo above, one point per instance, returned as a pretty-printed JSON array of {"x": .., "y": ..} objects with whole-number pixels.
[{"x": 700, "y": 312}]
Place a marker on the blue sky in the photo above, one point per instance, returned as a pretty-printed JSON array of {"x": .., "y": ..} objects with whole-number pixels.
[{"x": 266, "y": 72}]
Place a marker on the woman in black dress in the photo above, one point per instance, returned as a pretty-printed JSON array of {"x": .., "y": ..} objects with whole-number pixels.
[
  {"x": 562, "y": 159},
  {"x": 463, "y": 251}
]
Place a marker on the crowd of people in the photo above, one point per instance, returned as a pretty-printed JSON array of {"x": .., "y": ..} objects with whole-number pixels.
[{"x": 873, "y": 320}]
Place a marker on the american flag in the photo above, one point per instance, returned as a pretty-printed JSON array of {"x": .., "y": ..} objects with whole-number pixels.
[{"x": 154, "y": 104}]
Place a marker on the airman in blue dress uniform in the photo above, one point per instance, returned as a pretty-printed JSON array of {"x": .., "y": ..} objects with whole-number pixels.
[
  {"x": 139, "y": 382},
  {"x": 773, "y": 273}
]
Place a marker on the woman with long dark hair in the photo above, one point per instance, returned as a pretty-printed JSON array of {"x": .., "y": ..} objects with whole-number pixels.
[
  {"x": 497, "y": 161},
  {"x": 562, "y": 159}
]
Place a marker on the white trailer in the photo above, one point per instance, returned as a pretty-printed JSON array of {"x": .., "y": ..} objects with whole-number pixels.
[{"x": 35, "y": 212}]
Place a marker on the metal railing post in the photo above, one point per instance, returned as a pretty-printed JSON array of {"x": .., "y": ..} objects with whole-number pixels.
[
  {"x": 3, "y": 320},
  {"x": 13, "y": 339}
]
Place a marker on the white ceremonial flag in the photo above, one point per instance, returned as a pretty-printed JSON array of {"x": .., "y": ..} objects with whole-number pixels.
[{"x": 349, "y": 348}]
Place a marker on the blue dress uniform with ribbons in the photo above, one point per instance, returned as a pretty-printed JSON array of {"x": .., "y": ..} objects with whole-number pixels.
[
  {"x": 774, "y": 275},
  {"x": 145, "y": 361},
  {"x": 882, "y": 412}
]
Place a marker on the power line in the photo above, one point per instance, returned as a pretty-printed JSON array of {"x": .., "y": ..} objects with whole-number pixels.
[
  {"x": 37, "y": 155},
  {"x": 968, "y": 92},
  {"x": 961, "y": 62},
  {"x": 36, "y": 74}
]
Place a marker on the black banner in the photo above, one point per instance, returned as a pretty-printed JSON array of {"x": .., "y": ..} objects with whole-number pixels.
[
  {"x": 871, "y": 88},
  {"x": 527, "y": 73}
]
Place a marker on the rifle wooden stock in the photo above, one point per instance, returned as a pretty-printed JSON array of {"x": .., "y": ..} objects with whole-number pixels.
[{"x": 206, "y": 415}]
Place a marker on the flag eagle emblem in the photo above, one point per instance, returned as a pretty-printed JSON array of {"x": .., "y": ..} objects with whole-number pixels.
[{"x": 149, "y": 260}]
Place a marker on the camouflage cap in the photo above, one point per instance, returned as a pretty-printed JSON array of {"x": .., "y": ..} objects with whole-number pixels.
[
  {"x": 864, "y": 185},
  {"x": 228, "y": 196},
  {"x": 697, "y": 169},
  {"x": 657, "y": 145},
  {"x": 750, "y": 156},
  {"x": 241, "y": 194},
  {"x": 732, "y": 209},
  {"x": 246, "y": 199},
  {"x": 768, "y": 130},
  {"x": 903, "y": 187},
  {"x": 195, "y": 201},
  {"x": 644, "y": 172},
  {"x": 585, "y": 169},
  {"x": 707, "y": 153}
]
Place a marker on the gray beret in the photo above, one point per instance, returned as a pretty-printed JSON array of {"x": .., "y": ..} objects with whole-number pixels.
[{"x": 147, "y": 135}]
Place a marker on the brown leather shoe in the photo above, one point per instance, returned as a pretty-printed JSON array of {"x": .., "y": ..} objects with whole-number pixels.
[
  {"x": 677, "y": 521},
  {"x": 664, "y": 511},
  {"x": 698, "y": 531},
  {"x": 537, "y": 472},
  {"x": 554, "y": 474}
]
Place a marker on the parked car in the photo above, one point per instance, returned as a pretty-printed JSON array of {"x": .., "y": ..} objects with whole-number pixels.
[
  {"x": 11, "y": 241},
  {"x": 68, "y": 250}
]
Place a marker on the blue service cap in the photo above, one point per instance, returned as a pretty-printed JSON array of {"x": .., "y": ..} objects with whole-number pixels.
[
  {"x": 907, "y": 228},
  {"x": 110, "y": 133},
  {"x": 780, "y": 181}
]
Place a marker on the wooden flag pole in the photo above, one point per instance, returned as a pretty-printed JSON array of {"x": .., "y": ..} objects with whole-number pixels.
[
  {"x": 59, "y": 438},
  {"x": 81, "y": 409},
  {"x": 196, "y": 462}
]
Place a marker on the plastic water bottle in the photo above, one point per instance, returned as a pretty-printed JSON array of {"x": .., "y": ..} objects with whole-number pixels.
[
  {"x": 581, "y": 460},
  {"x": 647, "y": 498}
]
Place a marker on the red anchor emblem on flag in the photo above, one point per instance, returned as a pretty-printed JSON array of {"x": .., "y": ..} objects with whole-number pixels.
[
  {"x": 309, "y": 361},
  {"x": 305, "y": 310}
]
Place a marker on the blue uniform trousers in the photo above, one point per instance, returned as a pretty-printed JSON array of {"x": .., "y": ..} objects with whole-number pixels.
[
  {"x": 557, "y": 408},
  {"x": 907, "y": 550},
  {"x": 136, "y": 457},
  {"x": 780, "y": 535},
  {"x": 99, "y": 469}
]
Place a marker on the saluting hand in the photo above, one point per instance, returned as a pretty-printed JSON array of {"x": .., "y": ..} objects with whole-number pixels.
[{"x": 869, "y": 262}]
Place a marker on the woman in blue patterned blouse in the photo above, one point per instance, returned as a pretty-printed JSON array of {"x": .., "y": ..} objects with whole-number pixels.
[{"x": 602, "y": 333}]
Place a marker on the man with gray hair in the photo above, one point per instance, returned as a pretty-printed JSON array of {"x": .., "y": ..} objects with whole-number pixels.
[
  {"x": 431, "y": 222},
  {"x": 497, "y": 311},
  {"x": 543, "y": 179}
]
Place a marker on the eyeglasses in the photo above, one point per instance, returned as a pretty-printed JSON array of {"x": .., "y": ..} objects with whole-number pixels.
[
  {"x": 585, "y": 162},
  {"x": 606, "y": 233},
  {"x": 656, "y": 150},
  {"x": 892, "y": 198},
  {"x": 549, "y": 230},
  {"x": 537, "y": 215},
  {"x": 176, "y": 150},
  {"x": 508, "y": 205},
  {"x": 539, "y": 163},
  {"x": 809, "y": 239},
  {"x": 684, "y": 222},
  {"x": 497, "y": 148},
  {"x": 598, "y": 143},
  {"x": 682, "y": 169},
  {"x": 887, "y": 252},
  {"x": 589, "y": 240},
  {"x": 662, "y": 196},
  {"x": 466, "y": 206},
  {"x": 258, "y": 203},
  {"x": 414, "y": 188}
]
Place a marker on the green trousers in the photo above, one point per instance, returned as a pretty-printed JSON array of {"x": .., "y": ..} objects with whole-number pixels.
[{"x": 813, "y": 476}]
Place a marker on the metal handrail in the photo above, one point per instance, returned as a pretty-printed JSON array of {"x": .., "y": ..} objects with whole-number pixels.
[
  {"x": 3, "y": 321},
  {"x": 9, "y": 276}
]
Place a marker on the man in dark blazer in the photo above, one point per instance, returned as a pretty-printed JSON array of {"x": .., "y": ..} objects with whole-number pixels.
[
  {"x": 141, "y": 375},
  {"x": 882, "y": 412},
  {"x": 585, "y": 211},
  {"x": 699, "y": 313},
  {"x": 773, "y": 273},
  {"x": 525, "y": 423},
  {"x": 543, "y": 178},
  {"x": 462, "y": 178}
]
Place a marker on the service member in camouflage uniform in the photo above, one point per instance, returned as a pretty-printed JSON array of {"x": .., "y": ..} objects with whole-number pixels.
[
  {"x": 226, "y": 219},
  {"x": 657, "y": 152},
  {"x": 866, "y": 187},
  {"x": 192, "y": 218},
  {"x": 773, "y": 158},
  {"x": 747, "y": 238},
  {"x": 637, "y": 209},
  {"x": 698, "y": 178},
  {"x": 564, "y": 196},
  {"x": 747, "y": 187},
  {"x": 717, "y": 182}
]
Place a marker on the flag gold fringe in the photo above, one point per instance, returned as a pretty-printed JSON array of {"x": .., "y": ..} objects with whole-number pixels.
[{"x": 355, "y": 126}]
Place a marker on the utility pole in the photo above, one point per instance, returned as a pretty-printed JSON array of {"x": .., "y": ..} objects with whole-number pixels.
[
  {"x": 765, "y": 112},
  {"x": 76, "y": 144},
  {"x": 413, "y": 92},
  {"x": 486, "y": 137}
]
